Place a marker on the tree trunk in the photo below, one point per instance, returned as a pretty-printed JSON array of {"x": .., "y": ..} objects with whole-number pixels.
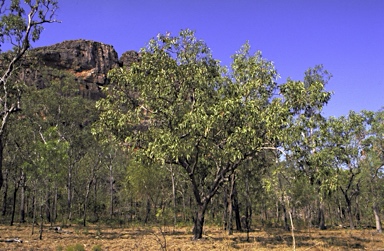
[
  {"x": 349, "y": 211},
  {"x": 357, "y": 211},
  {"x": 33, "y": 210},
  {"x": 174, "y": 197},
  {"x": 286, "y": 224},
  {"x": 147, "y": 210},
  {"x": 22, "y": 197},
  {"x": 87, "y": 192},
  {"x": 321, "y": 216},
  {"x": 230, "y": 203},
  {"x": 236, "y": 209},
  {"x": 111, "y": 195},
  {"x": 198, "y": 221},
  {"x": 278, "y": 217},
  {"x": 5, "y": 194},
  {"x": 95, "y": 206},
  {"x": 48, "y": 212},
  {"x": 14, "y": 202},
  {"x": 292, "y": 230},
  {"x": 248, "y": 209},
  {"x": 1, "y": 159},
  {"x": 350, "y": 217},
  {"x": 54, "y": 207},
  {"x": 69, "y": 193},
  {"x": 225, "y": 213},
  {"x": 41, "y": 223},
  {"x": 377, "y": 217}
]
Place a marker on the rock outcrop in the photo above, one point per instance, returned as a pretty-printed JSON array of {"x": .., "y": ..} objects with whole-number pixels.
[
  {"x": 87, "y": 61},
  {"x": 128, "y": 58}
]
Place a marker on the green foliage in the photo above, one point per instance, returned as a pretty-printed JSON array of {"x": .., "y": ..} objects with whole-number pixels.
[
  {"x": 22, "y": 23},
  {"x": 179, "y": 106}
]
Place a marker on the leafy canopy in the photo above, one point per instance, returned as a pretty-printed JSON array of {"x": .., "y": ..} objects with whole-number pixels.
[{"x": 178, "y": 104}]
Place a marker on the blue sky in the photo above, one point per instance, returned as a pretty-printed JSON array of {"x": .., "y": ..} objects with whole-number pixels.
[{"x": 346, "y": 36}]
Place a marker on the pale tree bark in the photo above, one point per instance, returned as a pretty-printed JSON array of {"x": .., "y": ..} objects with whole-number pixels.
[
  {"x": 22, "y": 197},
  {"x": 69, "y": 193},
  {"x": 230, "y": 204},
  {"x": 39, "y": 13},
  {"x": 174, "y": 196},
  {"x": 377, "y": 217},
  {"x": 375, "y": 206}
]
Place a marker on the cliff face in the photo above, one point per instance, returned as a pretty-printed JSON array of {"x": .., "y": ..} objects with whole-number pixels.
[{"x": 87, "y": 61}]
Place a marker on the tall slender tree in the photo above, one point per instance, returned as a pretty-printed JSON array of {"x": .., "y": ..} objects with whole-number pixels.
[
  {"x": 20, "y": 25},
  {"x": 304, "y": 143}
]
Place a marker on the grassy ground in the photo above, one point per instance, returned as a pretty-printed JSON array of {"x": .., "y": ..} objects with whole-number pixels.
[{"x": 146, "y": 238}]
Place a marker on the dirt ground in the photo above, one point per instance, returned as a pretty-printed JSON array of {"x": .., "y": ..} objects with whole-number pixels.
[{"x": 152, "y": 238}]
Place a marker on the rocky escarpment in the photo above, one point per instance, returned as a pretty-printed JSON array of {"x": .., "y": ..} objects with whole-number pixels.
[{"x": 87, "y": 61}]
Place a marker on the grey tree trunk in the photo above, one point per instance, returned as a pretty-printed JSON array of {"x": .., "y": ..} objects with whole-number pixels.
[
  {"x": 69, "y": 193},
  {"x": 1, "y": 160},
  {"x": 377, "y": 217},
  {"x": 54, "y": 207},
  {"x": 22, "y": 197},
  {"x": 5, "y": 194},
  {"x": 199, "y": 222},
  {"x": 85, "y": 207},
  {"x": 33, "y": 209},
  {"x": 14, "y": 202},
  {"x": 321, "y": 216},
  {"x": 285, "y": 213},
  {"x": 111, "y": 196},
  {"x": 225, "y": 211},
  {"x": 174, "y": 197},
  {"x": 230, "y": 204}
]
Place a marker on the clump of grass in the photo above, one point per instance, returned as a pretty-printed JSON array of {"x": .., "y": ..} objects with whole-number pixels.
[{"x": 76, "y": 247}]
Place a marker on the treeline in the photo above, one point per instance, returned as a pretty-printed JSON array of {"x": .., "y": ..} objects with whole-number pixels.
[{"x": 181, "y": 140}]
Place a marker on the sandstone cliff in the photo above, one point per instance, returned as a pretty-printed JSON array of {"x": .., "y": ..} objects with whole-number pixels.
[{"x": 87, "y": 61}]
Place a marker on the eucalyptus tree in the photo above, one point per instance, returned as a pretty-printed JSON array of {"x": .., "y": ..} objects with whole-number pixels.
[
  {"x": 179, "y": 106},
  {"x": 373, "y": 162},
  {"x": 304, "y": 143},
  {"x": 346, "y": 137},
  {"x": 20, "y": 25}
]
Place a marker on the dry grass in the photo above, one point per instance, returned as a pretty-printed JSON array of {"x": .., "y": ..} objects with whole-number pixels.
[{"x": 146, "y": 238}]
